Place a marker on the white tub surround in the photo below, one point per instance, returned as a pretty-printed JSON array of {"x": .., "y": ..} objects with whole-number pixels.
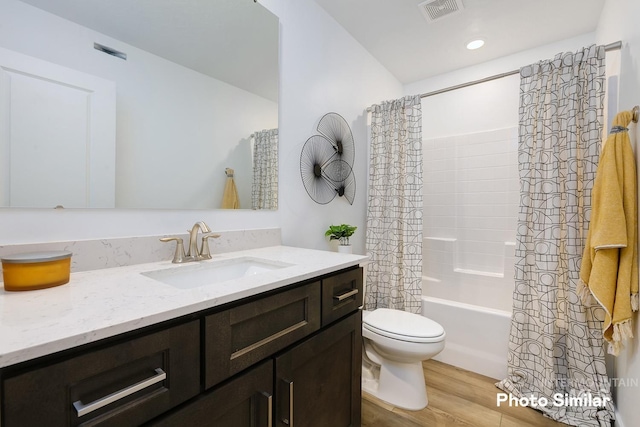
[
  {"x": 120, "y": 252},
  {"x": 103, "y": 303}
]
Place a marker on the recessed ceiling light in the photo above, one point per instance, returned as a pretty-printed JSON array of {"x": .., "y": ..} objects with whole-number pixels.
[{"x": 475, "y": 44}]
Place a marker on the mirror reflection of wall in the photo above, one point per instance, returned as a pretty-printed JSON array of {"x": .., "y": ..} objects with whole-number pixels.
[{"x": 177, "y": 128}]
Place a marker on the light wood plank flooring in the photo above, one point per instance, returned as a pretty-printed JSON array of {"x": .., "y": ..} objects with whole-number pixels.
[{"x": 457, "y": 398}]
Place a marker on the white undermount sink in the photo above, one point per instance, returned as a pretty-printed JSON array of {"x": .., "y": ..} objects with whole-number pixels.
[{"x": 212, "y": 272}]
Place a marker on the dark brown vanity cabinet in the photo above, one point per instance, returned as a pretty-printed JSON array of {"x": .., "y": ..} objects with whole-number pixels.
[
  {"x": 286, "y": 358},
  {"x": 316, "y": 383}
]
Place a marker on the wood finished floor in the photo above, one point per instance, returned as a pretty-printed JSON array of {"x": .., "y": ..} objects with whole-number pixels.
[{"x": 457, "y": 398}]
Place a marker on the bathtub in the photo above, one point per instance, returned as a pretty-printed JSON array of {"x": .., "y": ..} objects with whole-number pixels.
[{"x": 477, "y": 337}]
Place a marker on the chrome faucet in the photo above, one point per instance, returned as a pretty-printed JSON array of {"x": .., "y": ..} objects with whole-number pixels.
[{"x": 194, "y": 254}]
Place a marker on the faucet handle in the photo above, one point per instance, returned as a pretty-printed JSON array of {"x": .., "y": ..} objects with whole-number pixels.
[
  {"x": 179, "y": 256},
  {"x": 205, "y": 253}
]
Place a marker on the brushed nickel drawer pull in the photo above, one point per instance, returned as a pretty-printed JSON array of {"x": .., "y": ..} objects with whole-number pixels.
[
  {"x": 289, "y": 421},
  {"x": 269, "y": 408},
  {"x": 346, "y": 295},
  {"x": 83, "y": 409}
]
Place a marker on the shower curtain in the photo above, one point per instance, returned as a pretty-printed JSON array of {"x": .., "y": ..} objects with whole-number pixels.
[
  {"x": 394, "y": 211},
  {"x": 556, "y": 348},
  {"x": 264, "y": 189}
]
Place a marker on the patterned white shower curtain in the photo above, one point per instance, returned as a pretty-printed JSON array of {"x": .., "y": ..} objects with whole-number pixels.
[
  {"x": 264, "y": 189},
  {"x": 394, "y": 212},
  {"x": 556, "y": 347}
]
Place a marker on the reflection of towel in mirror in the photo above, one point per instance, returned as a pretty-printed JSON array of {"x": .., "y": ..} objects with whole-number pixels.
[
  {"x": 230, "y": 198},
  {"x": 609, "y": 270}
]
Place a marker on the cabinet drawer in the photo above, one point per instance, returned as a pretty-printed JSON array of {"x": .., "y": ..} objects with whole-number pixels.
[
  {"x": 121, "y": 385},
  {"x": 341, "y": 295},
  {"x": 241, "y": 336}
]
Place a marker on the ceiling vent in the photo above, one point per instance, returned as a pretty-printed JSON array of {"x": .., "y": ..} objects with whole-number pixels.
[{"x": 433, "y": 10}]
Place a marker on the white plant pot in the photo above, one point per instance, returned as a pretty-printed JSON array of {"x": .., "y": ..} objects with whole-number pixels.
[{"x": 345, "y": 249}]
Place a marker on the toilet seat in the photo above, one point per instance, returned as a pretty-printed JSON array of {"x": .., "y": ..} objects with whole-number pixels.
[{"x": 403, "y": 326}]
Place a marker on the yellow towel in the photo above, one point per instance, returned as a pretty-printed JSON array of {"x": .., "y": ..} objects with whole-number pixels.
[
  {"x": 609, "y": 270},
  {"x": 230, "y": 198}
]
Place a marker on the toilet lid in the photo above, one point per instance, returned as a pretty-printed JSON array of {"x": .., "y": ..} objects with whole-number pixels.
[{"x": 402, "y": 325}]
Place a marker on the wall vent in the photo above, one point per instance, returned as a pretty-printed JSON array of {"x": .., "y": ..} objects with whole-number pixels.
[
  {"x": 110, "y": 51},
  {"x": 434, "y": 10}
]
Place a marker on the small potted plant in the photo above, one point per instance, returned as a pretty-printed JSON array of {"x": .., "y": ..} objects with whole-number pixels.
[{"x": 341, "y": 233}]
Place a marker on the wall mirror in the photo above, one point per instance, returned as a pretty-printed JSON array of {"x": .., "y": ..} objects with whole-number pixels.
[{"x": 143, "y": 104}]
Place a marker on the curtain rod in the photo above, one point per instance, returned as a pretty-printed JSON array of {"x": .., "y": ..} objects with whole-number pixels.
[{"x": 609, "y": 47}]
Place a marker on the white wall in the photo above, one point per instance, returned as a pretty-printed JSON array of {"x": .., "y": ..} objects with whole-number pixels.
[
  {"x": 322, "y": 70},
  {"x": 620, "y": 20}
]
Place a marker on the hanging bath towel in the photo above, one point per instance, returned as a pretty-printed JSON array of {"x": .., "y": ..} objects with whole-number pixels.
[
  {"x": 230, "y": 198},
  {"x": 609, "y": 270}
]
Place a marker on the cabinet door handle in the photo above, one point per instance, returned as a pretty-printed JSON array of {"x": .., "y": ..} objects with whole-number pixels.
[
  {"x": 269, "y": 408},
  {"x": 84, "y": 409},
  {"x": 289, "y": 421},
  {"x": 346, "y": 295}
]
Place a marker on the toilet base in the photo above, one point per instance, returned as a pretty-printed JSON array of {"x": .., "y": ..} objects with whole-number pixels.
[{"x": 399, "y": 384}]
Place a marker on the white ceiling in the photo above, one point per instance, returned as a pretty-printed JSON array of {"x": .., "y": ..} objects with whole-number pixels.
[{"x": 398, "y": 36}]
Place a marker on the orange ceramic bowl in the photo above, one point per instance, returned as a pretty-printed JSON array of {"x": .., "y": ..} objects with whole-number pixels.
[{"x": 36, "y": 270}]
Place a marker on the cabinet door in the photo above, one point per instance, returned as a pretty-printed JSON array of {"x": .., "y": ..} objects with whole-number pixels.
[
  {"x": 245, "y": 401},
  {"x": 318, "y": 381},
  {"x": 120, "y": 385},
  {"x": 238, "y": 337}
]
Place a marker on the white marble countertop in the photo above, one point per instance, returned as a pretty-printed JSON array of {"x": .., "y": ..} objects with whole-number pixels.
[{"x": 102, "y": 303}]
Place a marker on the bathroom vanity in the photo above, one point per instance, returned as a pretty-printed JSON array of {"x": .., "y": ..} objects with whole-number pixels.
[{"x": 281, "y": 347}]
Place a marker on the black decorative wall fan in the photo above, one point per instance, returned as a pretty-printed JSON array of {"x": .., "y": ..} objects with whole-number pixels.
[
  {"x": 326, "y": 161},
  {"x": 333, "y": 127}
]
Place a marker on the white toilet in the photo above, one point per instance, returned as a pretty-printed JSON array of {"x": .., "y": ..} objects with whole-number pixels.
[{"x": 395, "y": 344}]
